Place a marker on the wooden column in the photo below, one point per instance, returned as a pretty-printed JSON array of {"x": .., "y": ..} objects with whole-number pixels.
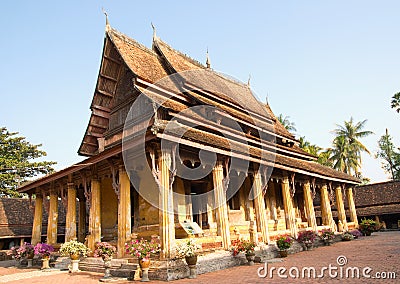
[
  {"x": 52, "y": 221},
  {"x": 124, "y": 211},
  {"x": 312, "y": 222},
  {"x": 352, "y": 206},
  {"x": 289, "y": 210},
  {"x": 37, "y": 220},
  {"x": 82, "y": 220},
  {"x": 70, "y": 220},
  {"x": 94, "y": 215},
  {"x": 250, "y": 211},
  {"x": 340, "y": 207},
  {"x": 326, "y": 208},
  {"x": 271, "y": 189},
  {"x": 259, "y": 205},
  {"x": 220, "y": 201},
  {"x": 167, "y": 223}
]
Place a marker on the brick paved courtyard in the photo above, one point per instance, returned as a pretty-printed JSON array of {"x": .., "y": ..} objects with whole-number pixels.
[{"x": 381, "y": 252}]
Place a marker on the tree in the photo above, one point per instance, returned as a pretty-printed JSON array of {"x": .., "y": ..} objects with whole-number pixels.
[
  {"x": 390, "y": 156},
  {"x": 308, "y": 147},
  {"x": 324, "y": 158},
  {"x": 290, "y": 126},
  {"x": 323, "y": 155},
  {"x": 347, "y": 148},
  {"x": 16, "y": 165},
  {"x": 396, "y": 102}
]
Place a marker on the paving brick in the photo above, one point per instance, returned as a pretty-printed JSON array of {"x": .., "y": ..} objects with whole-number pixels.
[{"x": 381, "y": 252}]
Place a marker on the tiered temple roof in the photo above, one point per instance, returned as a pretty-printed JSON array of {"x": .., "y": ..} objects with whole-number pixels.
[{"x": 127, "y": 64}]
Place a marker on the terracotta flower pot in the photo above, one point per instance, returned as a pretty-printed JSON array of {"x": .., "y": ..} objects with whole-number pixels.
[
  {"x": 283, "y": 253},
  {"x": 74, "y": 256},
  {"x": 250, "y": 256},
  {"x": 144, "y": 263},
  {"x": 191, "y": 260}
]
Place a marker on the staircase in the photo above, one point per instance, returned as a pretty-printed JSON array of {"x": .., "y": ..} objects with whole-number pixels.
[{"x": 119, "y": 267}]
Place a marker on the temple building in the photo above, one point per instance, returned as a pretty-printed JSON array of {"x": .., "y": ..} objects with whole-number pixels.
[
  {"x": 380, "y": 202},
  {"x": 174, "y": 149}
]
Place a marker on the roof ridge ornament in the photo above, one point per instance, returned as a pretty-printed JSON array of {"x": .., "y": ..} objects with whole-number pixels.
[
  {"x": 248, "y": 81},
  {"x": 208, "y": 61},
  {"x": 107, "y": 22},
  {"x": 154, "y": 31}
]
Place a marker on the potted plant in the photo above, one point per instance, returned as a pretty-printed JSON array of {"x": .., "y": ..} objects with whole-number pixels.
[
  {"x": 44, "y": 250},
  {"x": 356, "y": 233},
  {"x": 74, "y": 250},
  {"x": 367, "y": 226},
  {"x": 284, "y": 243},
  {"x": 26, "y": 251},
  {"x": 142, "y": 249},
  {"x": 188, "y": 250},
  {"x": 307, "y": 239},
  {"x": 327, "y": 236},
  {"x": 245, "y": 246},
  {"x": 105, "y": 251},
  {"x": 347, "y": 236}
]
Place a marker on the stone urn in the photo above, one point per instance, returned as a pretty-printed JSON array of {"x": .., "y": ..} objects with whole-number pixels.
[
  {"x": 191, "y": 262},
  {"x": 29, "y": 259},
  {"x": 250, "y": 256},
  {"x": 45, "y": 262},
  {"x": 308, "y": 245},
  {"x": 144, "y": 264},
  {"x": 107, "y": 265},
  {"x": 74, "y": 266},
  {"x": 283, "y": 253}
]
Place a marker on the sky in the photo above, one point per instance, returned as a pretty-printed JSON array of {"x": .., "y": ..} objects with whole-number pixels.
[{"x": 318, "y": 62}]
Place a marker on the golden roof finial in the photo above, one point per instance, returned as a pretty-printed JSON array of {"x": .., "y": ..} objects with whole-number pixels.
[
  {"x": 208, "y": 62},
  {"x": 154, "y": 31},
  {"x": 107, "y": 23}
]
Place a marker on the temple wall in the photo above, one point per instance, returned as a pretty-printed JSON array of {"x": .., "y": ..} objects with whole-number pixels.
[{"x": 109, "y": 212}]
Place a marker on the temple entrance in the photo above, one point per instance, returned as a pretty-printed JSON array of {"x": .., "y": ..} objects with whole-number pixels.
[{"x": 199, "y": 209}]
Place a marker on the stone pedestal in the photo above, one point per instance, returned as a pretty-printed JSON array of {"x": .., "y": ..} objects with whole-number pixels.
[
  {"x": 30, "y": 261},
  {"x": 45, "y": 263},
  {"x": 145, "y": 275},
  {"x": 74, "y": 266},
  {"x": 192, "y": 271}
]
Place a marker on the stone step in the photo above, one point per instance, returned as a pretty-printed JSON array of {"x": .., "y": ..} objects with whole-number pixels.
[{"x": 119, "y": 267}]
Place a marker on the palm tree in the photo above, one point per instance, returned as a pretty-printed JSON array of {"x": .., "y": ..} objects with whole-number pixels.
[
  {"x": 290, "y": 126},
  {"x": 396, "y": 102},
  {"x": 347, "y": 148},
  {"x": 303, "y": 143},
  {"x": 324, "y": 158}
]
